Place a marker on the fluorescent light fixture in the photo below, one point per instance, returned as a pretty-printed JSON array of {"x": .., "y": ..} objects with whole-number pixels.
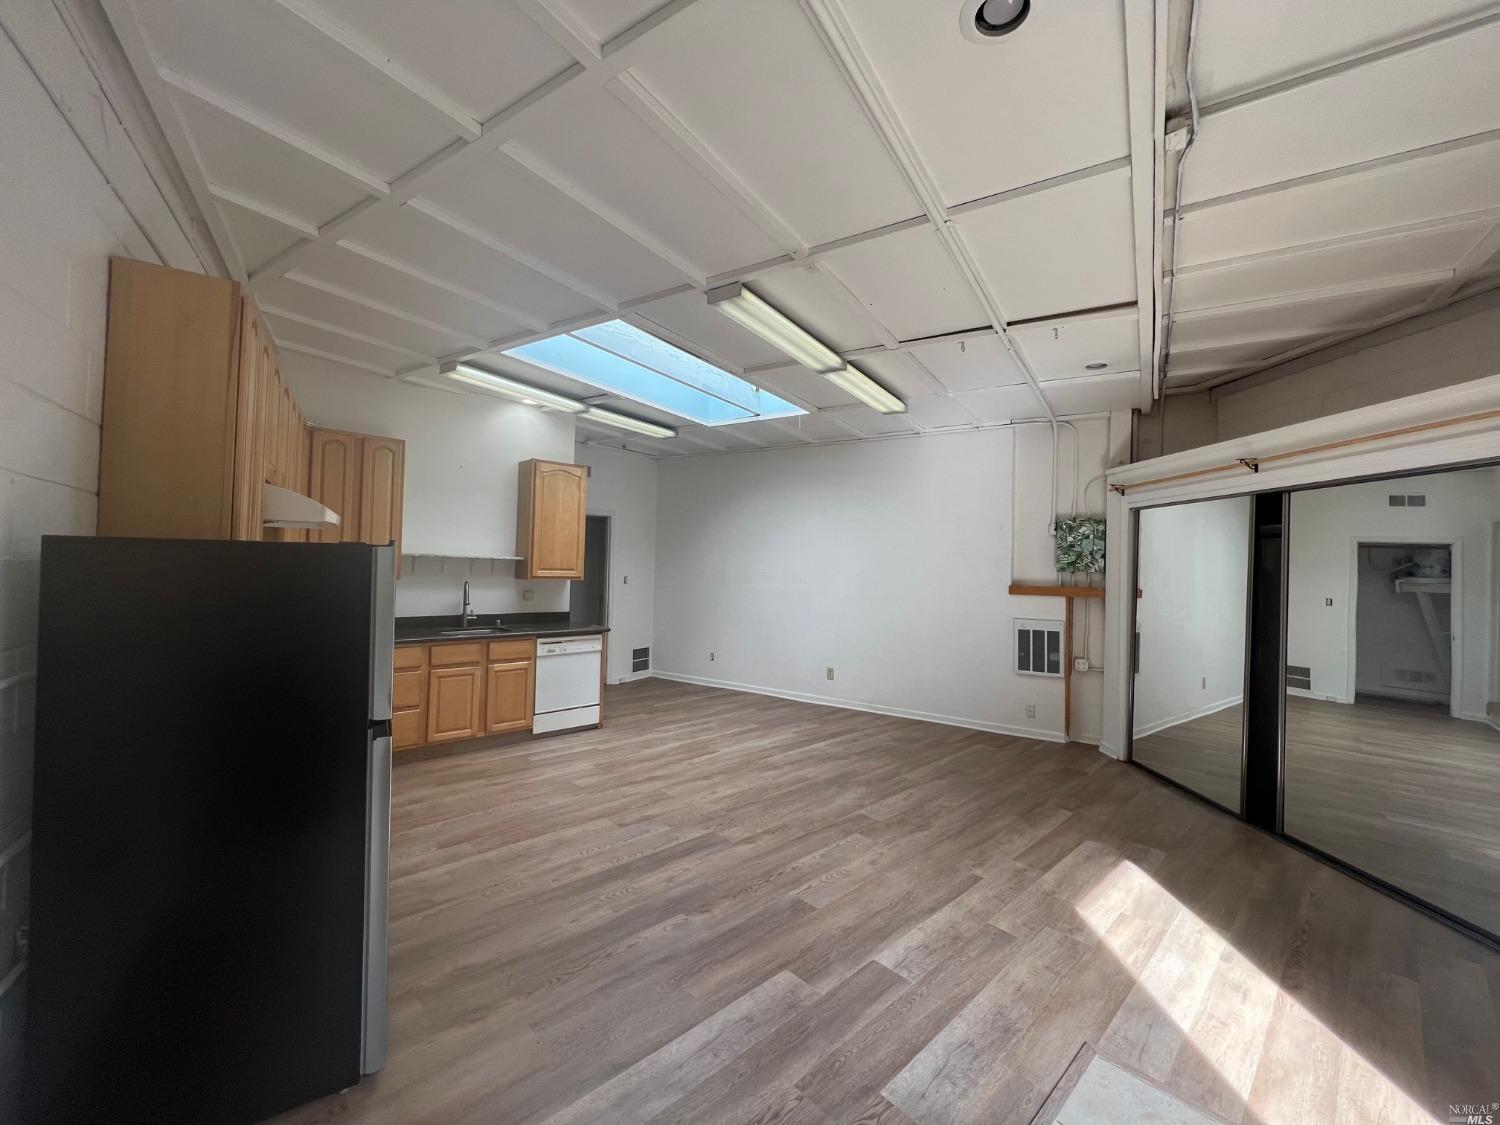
[
  {"x": 520, "y": 392},
  {"x": 746, "y": 309},
  {"x": 626, "y": 422},
  {"x": 867, "y": 390}
]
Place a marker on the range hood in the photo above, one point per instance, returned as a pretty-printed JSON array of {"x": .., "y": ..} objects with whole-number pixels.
[{"x": 281, "y": 507}]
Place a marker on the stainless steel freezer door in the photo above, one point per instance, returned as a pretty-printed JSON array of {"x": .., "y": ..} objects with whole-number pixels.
[
  {"x": 382, "y": 630},
  {"x": 377, "y": 883}
]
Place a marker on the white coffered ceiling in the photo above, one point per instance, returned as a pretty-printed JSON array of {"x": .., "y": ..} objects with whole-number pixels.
[
  {"x": 407, "y": 184},
  {"x": 1346, "y": 174}
]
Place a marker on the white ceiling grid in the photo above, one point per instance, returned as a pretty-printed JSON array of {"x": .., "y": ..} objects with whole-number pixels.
[
  {"x": 1346, "y": 175},
  {"x": 403, "y": 185}
]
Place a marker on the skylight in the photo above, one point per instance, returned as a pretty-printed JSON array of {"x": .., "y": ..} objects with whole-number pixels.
[{"x": 620, "y": 358}]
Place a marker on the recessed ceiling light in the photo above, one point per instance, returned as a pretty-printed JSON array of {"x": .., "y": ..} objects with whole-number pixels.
[
  {"x": 983, "y": 21},
  {"x": 1097, "y": 365}
]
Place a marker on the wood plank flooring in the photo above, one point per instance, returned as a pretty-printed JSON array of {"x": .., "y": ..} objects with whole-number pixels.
[{"x": 730, "y": 908}]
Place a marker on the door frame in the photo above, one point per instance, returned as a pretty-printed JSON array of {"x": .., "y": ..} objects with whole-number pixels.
[
  {"x": 608, "y": 516},
  {"x": 1455, "y": 615}
]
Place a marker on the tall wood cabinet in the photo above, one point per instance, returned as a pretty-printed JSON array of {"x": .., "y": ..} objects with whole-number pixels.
[
  {"x": 197, "y": 416},
  {"x": 361, "y": 477},
  {"x": 551, "y": 511}
]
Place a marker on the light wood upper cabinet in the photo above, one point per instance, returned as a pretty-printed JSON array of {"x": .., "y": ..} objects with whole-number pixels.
[
  {"x": 361, "y": 477},
  {"x": 382, "y": 477},
  {"x": 550, "y": 516},
  {"x": 333, "y": 481},
  {"x": 197, "y": 416}
]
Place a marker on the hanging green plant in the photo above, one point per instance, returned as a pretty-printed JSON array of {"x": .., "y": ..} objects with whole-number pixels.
[{"x": 1080, "y": 545}]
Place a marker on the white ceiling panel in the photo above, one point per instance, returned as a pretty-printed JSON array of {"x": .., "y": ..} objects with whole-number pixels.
[
  {"x": 1312, "y": 317},
  {"x": 594, "y": 148},
  {"x": 1234, "y": 352},
  {"x": 900, "y": 373},
  {"x": 1243, "y": 46},
  {"x": 964, "y": 365},
  {"x": 507, "y": 202},
  {"x": 605, "y": 19},
  {"x": 335, "y": 343},
  {"x": 938, "y": 412},
  {"x": 953, "y": 94},
  {"x": 255, "y": 237},
  {"x": 409, "y": 236},
  {"x": 872, "y": 423},
  {"x": 1450, "y": 183},
  {"x": 245, "y": 161},
  {"x": 1424, "y": 96},
  {"x": 1092, "y": 393},
  {"x": 380, "y": 283},
  {"x": 809, "y": 297},
  {"x": 501, "y": 55},
  {"x": 1057, "y": 251},
  {"x": 1343, "y": 264},
  {"x": 909, "y": 283},
  {"x": 689, "y": 316},
  {"x": 1001, "y": 404},
  {"x": 262, "y": 56},
  {"x": 799, "y": 385},
  {"x": 1060, "y": 350},
  {"x": 316, "y": 304},
  {"x": 743, "y": 77}
]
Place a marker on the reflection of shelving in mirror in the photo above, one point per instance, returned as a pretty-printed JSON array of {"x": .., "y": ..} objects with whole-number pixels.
[{"x": 1424, "y": 586}]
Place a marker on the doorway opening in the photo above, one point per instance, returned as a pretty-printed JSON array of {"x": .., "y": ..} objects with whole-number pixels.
[
  {"x": 1402, "y": 625},
  {"x": 588, "y": 597}
]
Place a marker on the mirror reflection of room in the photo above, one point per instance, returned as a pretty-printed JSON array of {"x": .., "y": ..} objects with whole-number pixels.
[
  {"x": 1192, "y": 574},
  {"x": 1392, "y": 754}
]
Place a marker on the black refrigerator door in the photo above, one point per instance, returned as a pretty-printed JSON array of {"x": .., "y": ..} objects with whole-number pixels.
[{"x": 200, "y": 824}]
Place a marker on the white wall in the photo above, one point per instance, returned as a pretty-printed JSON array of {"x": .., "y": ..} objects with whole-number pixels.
[
  {"x": 622, "y": 485},
  {"x": 61, "y": 219},
  {"x": 462, "y": 453},
  {"x": 1193, "y": 575},
  {"x": 1461, "y": 507},
  {"x": 887, "y": 560}
]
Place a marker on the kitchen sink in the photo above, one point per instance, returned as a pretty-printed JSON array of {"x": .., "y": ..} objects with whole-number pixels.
[{"x": 477, "y": 630}]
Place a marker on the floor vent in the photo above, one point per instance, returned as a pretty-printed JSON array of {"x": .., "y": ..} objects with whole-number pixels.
[
  {"x": 640, "y": 659},
  {"x": 1298, "y": 676}
]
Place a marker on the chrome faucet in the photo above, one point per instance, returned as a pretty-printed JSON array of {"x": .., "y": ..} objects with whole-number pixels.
[{"x": 467, "y": 617}]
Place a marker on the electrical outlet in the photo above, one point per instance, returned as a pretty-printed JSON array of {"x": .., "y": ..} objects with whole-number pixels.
[
  {"x": 828, "y": 672},
  {"x": 528, "y": 595},
  {"x": 1031, "y": 710},
  {"x": 1080, "y": 663},
  {"x": 1203, "y": 681},
  {"x": 710, "y": 658},
  {"x": 625, "y": 581}
]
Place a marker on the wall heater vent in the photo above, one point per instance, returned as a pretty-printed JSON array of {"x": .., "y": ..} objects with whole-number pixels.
[
  {"x": 1410, "y": 677},
  {"x": 640, "y": 659},
  {"x": 1299, "y": 676},
  {"x": 1406, "y": 500},
  {"x": 1039, "y": 647}
]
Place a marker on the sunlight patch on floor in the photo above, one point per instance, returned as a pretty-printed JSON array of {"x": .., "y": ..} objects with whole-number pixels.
[{"x": 1237, "y": 1044}]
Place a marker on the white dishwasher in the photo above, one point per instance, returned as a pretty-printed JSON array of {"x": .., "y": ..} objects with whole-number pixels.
[{"x": 567, "y": 683}]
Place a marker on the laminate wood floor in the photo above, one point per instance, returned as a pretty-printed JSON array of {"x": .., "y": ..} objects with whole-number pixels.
[{"x": 730, "y": 908}]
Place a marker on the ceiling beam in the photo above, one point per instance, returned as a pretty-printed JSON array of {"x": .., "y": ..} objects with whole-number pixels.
[
  {"x": 339, "y": 330},
  {"x": 1147, "y": 140},
  {"x": 381, "y": 307},
  {"x": 1476, "y": 259},
  {"x": 439, "y": 105},
  {"x": 266, "y": 125},
  {"x": 417, "y": 273},
  {"x": 265, "y": 210},
  {"x": 319, "y": 353}
]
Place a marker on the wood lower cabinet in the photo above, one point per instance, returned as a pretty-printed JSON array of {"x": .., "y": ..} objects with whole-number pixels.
[
  {"x": 454, "y": 690},
  {"x": 551, "y": 511},
  {"x": 455, "y": 696}
]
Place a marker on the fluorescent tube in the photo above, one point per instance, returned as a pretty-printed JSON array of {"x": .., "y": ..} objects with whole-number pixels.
[
  {"x": 626, "y": 422},
  {"x": 867, "y": 390},
  {"x": 746, "y": 309},
  {"x": 520, "y": 392}
]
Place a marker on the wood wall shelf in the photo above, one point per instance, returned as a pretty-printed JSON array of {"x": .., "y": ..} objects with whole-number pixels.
[{"x": 1020, "y": 589}]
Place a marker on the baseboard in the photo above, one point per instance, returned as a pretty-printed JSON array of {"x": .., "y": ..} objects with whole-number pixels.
[
  {"x": 872, "y": 708},
  {"x": 629, "y": 677},
  {"x": 1189, "y": 716}
]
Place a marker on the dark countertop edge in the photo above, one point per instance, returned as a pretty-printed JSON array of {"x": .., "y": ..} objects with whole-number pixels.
[{"x": 430, "y": 635}]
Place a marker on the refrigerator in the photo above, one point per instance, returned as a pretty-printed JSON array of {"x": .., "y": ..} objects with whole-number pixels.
[{"x": 211, "y": 825}]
